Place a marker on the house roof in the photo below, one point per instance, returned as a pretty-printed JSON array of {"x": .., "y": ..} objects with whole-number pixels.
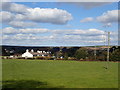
[{"x": 36, "y": 53}]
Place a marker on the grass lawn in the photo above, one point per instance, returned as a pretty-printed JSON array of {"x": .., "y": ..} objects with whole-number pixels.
[{"x": 58, "y": 74}]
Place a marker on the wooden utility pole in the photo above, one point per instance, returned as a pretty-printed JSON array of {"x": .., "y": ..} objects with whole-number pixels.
[
  {"x": 105, "y": 39},
  {"x": 95, "y": 52},
  {"x": 108, "y": 54}
]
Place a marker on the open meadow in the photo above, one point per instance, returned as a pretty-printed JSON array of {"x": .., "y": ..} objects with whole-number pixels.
[{"x": 58, "y": 74}]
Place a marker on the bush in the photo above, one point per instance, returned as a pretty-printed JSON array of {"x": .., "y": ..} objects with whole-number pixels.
[
  {"x": 66, "y": 56},
  {"x": 44, "y": 58},
  {"x": 21, "y": 58},
  {"x": 40, "y": 57},
  {"x": 48, "y": 58}
]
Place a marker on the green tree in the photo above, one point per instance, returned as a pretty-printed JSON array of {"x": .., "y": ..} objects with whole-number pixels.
[
  {"x": 81, "y": 54},
  {"x": 115, "y": 55}
]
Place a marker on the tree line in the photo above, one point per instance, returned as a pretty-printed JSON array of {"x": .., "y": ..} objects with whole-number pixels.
[
  {"x": 90, "y": 55},
  {"x": 72, "y": 53}
]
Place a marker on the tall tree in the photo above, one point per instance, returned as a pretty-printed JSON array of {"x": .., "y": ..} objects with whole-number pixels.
[
  {"x": 81, "y": 53},
  {"x": 115, "y": 55}
]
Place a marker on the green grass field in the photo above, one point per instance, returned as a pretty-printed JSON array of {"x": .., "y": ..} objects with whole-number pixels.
[{"x": 58, "y": 74}]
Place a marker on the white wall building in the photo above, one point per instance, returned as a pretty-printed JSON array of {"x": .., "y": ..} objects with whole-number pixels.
[
  {"x": 32, "y": 54},
  {"x": 27, "y": 54}
]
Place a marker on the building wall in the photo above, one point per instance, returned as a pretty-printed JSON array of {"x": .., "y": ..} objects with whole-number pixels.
[{"x": 27, "y": 54}]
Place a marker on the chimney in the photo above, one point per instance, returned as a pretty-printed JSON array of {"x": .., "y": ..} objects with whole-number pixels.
[{"x": 32, "y": 50}]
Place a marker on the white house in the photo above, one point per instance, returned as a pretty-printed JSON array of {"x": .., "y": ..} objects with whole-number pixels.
[
  {"x": 32, "y": 54},
  {"x": 27, "y": 54}
]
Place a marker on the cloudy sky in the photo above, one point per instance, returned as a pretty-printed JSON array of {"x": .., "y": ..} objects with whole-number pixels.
[{"x": 59, "y": 23}]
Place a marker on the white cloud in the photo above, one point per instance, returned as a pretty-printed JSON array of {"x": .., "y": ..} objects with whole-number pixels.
[
  {"x": 20, "y": 17},
  {"x": 57, "y": 37},
  {"x": 21, "y": 24},
  {"x": 23, "y": 36},
  {"x": 107, "y": 25},
  {"x": 15, "y": 20},
  {"x": 9, "y": 30},
  {"x": 6, "y": 16},
  {"x": 4, "y": 37},
  {"x": 13, "y": 7},
  {"x": 82, "y": 36},
  {"x": 49, "y": 15},
  {"x": 109, "y": 17},
  {"x": 34, "y": 30},
  {"x": 39, "y": 15},
  {"x": 20, "y": 36},
  {"x": 89, "y": 5},
  {"x": 79, "y": 32},
  {"x": 88, "y": 19}
]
